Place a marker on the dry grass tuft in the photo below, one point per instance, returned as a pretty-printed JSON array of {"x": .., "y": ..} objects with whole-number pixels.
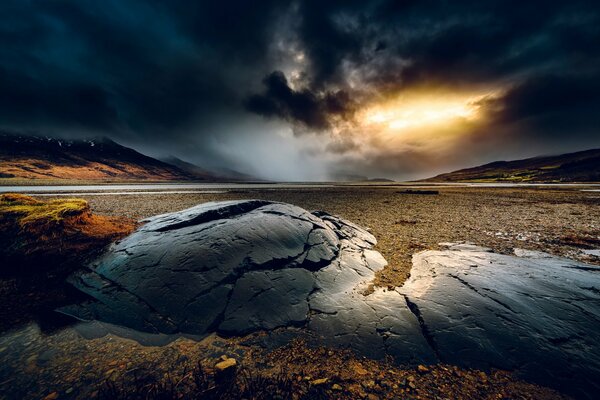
[
  {"x": 28, "y": 210},
  {"x": 59, "y": 231}
]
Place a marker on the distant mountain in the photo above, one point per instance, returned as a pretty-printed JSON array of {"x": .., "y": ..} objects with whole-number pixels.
[
  {"x": 36, "y": 157},
  {"x": 189, "y": 168},
  {"x": 344, "y": 177},
  {"x": 381, "y": 180},
  {"x": 221, "y": 174},
  {"x": 582, "y": 166}
]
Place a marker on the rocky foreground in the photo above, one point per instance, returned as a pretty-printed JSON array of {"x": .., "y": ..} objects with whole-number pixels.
[{"x": 242, "y": 266}]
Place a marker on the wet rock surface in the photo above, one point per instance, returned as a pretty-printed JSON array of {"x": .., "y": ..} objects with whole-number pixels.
[
  {"x": 243, "y": 266},
  {"x": 532, "y": 313}
]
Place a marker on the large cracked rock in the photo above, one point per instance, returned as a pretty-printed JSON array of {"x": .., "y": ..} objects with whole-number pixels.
[{"x": 241, "y": 266}]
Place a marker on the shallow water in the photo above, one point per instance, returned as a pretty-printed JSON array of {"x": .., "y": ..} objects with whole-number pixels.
[
  {"x": 176, "y": 188},
  {"x": 155, "y": 187},
  {"x": 74, "y": 360}
]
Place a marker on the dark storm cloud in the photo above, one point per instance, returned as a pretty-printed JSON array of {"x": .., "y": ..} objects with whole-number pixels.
[
  {"x": 535, "y": 49},
  {"x": 302, "y": 106},
  {"x": 118, "y": 66},
  {"x": 195, "y": 71},
  {"x": 552, "y": 109}
]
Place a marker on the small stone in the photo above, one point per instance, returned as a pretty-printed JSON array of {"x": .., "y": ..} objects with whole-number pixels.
[
  {"x": 336, "y": 387},
  {"x": 358, "y": 369},
  {"x": 371, "y": 396},
  {"x": 69, "y": 390},
  {"x": 320, "y": 381},
  {"x": 226, "y": 364},
  {"x": 422, "y": 369},
  {"x": 52, "y": 396}
]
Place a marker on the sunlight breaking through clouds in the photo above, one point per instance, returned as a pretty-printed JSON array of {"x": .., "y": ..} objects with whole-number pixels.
[{"x": 422, "y": 111}]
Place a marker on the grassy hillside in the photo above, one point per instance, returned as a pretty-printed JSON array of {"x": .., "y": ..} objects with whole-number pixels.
[{"x": 582, "y": 166}]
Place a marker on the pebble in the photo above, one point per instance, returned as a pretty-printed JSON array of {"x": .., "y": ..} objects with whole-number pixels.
[
  {"x": 226, "y": 364},
  {"x": 483, "y": 376},
  {"x": 319, "y": 381},
  {"x": 422, "y": 369},
  {"x": 336, "y": 387},
  {"x": 360, "y": 370}
]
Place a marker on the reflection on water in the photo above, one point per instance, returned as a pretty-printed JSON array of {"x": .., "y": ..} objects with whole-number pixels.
[{"x": 74, "y": 360}]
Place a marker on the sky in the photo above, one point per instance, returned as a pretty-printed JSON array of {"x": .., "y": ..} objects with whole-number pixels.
[{"x": 308, "y": 90}]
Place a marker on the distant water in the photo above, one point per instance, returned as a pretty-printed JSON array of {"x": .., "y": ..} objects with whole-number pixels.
[
  {"x": 152, "y": 188},
  {"x": 177, "y": 188}
]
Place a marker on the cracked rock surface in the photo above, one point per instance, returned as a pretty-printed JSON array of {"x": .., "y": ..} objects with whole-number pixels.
[
  {"x": 532, "y": 313},
  {"x": 240, "y": 266},
  {"x": 237, "y": 267}
]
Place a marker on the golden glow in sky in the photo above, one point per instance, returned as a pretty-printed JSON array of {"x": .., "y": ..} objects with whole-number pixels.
[{"x": 422, "y": 111}]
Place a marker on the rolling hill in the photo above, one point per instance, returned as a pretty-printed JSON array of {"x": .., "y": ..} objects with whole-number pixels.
[
  {"x": 37, "y": 157},
  {"x": 582, "y": 166}
]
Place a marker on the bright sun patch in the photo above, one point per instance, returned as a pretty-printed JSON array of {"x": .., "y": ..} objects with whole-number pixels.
[{"x": 422, "y": 110}]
